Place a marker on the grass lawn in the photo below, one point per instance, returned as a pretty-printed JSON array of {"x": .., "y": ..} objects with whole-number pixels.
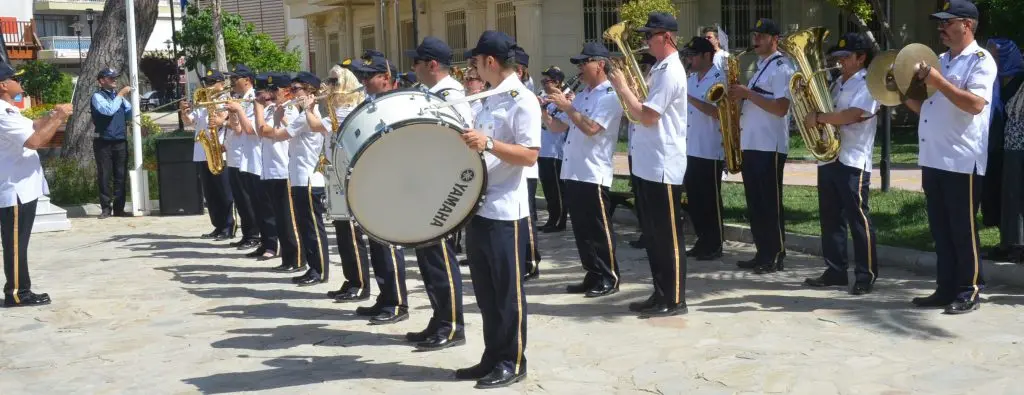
[{"x": 898, "y": 216}]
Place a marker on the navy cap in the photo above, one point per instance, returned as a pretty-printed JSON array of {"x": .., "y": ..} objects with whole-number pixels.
[
  {"x": 522, "y": 57},
  {"x": 554, "y": 73},
  {"x": 659, "y": 21},
  {"x": 375, "y": 65},
  {"x": 591, "y": 50},
  {"x": 213, "y": 75},
  {"x": 306, "y": 77},
  {"x": 957, "y": 9},
  {"x": 409, "y": 78},
  {"x": 279, "y": 80},
  {"x": 697, "y": 46},
  {"x": 432, "y": 48},
  {"x": 851, "y": 42},
  {"x": 369, "y": 53},
  {"x": 347, "y": 63},
  {"x": 108, "y": 72},
  {"x": 6, "y": 72},
  {"x": 241, "y": 70},
  {"x": 496, "y": 44},
  {"x": 261, "y": 80},
  {"x": 767, "y": 26}
]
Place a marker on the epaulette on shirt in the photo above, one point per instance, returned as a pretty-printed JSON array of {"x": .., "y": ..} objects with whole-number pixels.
[
  {"x": 980, "y": 54},
  {"x": 11, "y": 111},
  {"x": 514, "y": 93},
  {"x": 663, "y": 66},
  {"x": 610, "y": 90},
  {"x": 718, "y": 75},
  {"x": 445, "y": 94},
  {"x": 778, "y": 62}
]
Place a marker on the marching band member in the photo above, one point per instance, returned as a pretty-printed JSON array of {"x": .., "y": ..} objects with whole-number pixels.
[
  {"x": 236, "y": 145},
  {"x": 474, "y": 85},
  {"x": 216, "y": 187},
  {"x": 532, "y": 268},
  {"x": 953, "y": 127},
  {"x": 306, "y": 139},
  {"x": 388, "y": 262},
  {"x": 705, "y": 157},
  {"x": 588, "y": 168},
  {"x": 659, "y": 162},
  {"x": 721, "y": 56},
  {"x": 251, "y": 169},
  {"x": 844, "y": 184},
  {"x": 21, "y": 184},
  {"x": 549, "y": 163},
  {"x": 438, "y": 264},
  {"x": 646, "y": 62},
  {"x": 507, "y": 130},
  {"x": 275, "y": 162},
  {"x": 764, "y": 121}
]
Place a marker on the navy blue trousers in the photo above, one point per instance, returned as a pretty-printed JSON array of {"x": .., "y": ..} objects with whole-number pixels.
[
  {"x": 663, "y": 230},
  {"x": 592, "y": 228},
  {"x": 309, "y": 210},
  {"x": 551, "y": 182},
  {"x": 263, "y": 210},
  {"x": 843, "y": 193},
  {"x": 762, "y": 185},
  {"x": 219, "y": 200},
  {"x": 279, "y": 194},
  {"x": 495, "y": 262},
  {"x": 703, "y": 181},
  {"x": 355, "y": 257},
  {"x": 442, "y": 279},
  {"x": 243, "y": 203},
  {"x": 953, "y": 200},
  {"x": 531, "y": 251},
  {"x": 15, "y": 230}
]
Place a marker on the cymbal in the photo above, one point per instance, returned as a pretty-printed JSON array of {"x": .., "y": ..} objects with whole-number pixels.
[
  {"x": 880, "y": 80},
  {"x": 903, "y": 70}
]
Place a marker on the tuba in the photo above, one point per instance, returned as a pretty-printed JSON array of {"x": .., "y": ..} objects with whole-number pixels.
[
  {"x": 728, "y": 114},
  {"x": 628, "y": 64},
  {"x": 809, "y": 90},
  {"x": 209, "y": 139}
]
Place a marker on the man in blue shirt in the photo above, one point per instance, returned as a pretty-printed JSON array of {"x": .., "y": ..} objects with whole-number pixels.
[{"x": 110, "y": 113}]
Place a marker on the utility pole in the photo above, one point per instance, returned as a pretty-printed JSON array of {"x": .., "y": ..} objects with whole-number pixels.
[
  {"x": 218, "y": 37},
  {"x": 138, "y": 180},
  {"x": 174, "y": 58}
]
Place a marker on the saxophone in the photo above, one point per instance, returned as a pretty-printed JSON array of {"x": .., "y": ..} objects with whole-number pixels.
[
  {"x": 628, "y": 64},
  {"x": 209, "y": 138},
  {"x": 809, "y": 89},
  {"x": 728, "y": 114}
]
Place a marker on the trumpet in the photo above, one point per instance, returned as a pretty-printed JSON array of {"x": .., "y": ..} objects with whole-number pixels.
[
  {"x": 323, "y": 93},
  {"x": 225, "y": 101}
]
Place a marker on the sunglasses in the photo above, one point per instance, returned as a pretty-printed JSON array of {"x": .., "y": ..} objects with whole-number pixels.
[
  {"x": 294, "y": 88},
  {"x": 649, "y": 35},
  {"x": 944, "y": 23},
  {"x": 15, "y": 78}
]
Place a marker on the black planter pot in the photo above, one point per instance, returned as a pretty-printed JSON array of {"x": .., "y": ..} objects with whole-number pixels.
[{"x": 180, "y": 190}]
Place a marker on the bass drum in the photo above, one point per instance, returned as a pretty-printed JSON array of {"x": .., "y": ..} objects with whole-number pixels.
[
  {"x": 337, "y": 207},
  {"x": 409, "y": 178}
]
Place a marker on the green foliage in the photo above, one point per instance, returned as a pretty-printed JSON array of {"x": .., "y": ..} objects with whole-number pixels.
[
  {"x": 44, "y": 81},
  {"x": 70, "y": 183},
  {"x": 1001, "y": 18},
  {"x": 37, "y": 111},
  {"x": 635, "y": 13},
  {"x": 159, "y": 68},
  {"x": 149, "y": 126},
  {"x": 860, "y": 8},
  {"x": 242, "y": 44}
]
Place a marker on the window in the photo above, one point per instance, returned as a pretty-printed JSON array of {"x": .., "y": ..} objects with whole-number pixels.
[
  {"x": 334, "y": 47},
  {"x": 366, "y": 38},
  {"x": 55, "y": 25},
  {"x": 599, "y": 15},
  {"x": 455, "y": 33},
  {"x": 408, "y": 42},
  {"x": 505, "y": 13},
  {"x": 739, "y": 16}
]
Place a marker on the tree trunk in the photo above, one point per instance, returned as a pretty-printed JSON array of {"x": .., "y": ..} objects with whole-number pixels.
[
  {"x": 108, "y": 49},
  {"x": 883, "y": 21},
  {"x": 218, "y": 37}
]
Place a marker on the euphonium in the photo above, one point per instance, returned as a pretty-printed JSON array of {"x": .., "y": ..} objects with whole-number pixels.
[
  {"x": 209, "y": 138},
  {"x": 628, "y": 64},
  {"x": 809, "y": 89},
  {"x": 728, "y": 114}
]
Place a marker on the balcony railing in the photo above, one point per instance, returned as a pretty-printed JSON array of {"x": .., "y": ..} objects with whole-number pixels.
[
  {"x": 17, "y": 33},
  {"x": 71, "y": 1},
  {"x": 63, "y": 43}
]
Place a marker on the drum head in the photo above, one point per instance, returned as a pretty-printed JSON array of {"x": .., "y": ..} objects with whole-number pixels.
[{"x": 416, "y": 183}]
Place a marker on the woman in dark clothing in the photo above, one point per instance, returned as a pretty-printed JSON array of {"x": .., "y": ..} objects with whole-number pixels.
[{"x": 1006, "y": 150}]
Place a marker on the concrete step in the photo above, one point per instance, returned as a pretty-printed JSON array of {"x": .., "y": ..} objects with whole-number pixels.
[{"x": 50, "y": 217}]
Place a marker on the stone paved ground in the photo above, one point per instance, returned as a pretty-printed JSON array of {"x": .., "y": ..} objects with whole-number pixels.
[{"x": 142, "y": 306}]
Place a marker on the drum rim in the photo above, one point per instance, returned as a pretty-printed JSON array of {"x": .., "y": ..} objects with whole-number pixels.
[
  {"x": 458, "y": 227},
  {"x": 365, "y": 103}
]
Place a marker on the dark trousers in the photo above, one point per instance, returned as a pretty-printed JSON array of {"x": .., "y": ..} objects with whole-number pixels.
[
  {"x": 111, "y": 161},
  {"x": 665, "y": 244},
  {"x": 278, "y": 194},
  {"x": 219, "y": 200},
  {"x": 495, "y": 264},
  {"x": 953, "y": 200},
  {"x": 703, "y": 182},
  {"x": 389, "y": 270},
  {"x": 15, "y": 230},
  {"x": 443, "y": 282},
  {"x": 592, "y": 227},
  {"x": 843, "y": 193},
  {"x": 762, "y": 185},
  {"x": 554, "y": 191},
  {"x": 634, "y": 181},
  {"x": 263, "y": 209},
  {"x": 531, "y": 252},
  {"x": 309, "y": 211},
  {"x": 243, "y": 203},
  {"x": 355, "y": 259}
]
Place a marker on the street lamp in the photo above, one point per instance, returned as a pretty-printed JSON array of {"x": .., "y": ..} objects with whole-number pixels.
[
  {"x": 88, "y": 18},
  {"x": 78, "y": 33},
  {"x": 168, "y": 44}
]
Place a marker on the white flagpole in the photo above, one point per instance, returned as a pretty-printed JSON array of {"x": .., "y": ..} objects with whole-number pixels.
[{"x": 139, "y": 184}]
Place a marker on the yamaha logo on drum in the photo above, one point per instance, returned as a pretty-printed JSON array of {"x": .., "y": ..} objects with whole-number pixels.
[
  {"x": 452, "y": 200},
  {"x": 468, "y": 175}
]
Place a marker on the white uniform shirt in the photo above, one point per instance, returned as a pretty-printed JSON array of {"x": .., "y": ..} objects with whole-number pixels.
[
  {"x": 552, "y": 143},
  {"x": 659, "y": 152},
  {"x": 759, "y": 129},
  {"x": 951, "y": 139},
  {"x": 235, "y": 145},
  {"x": 512, "y": 118},
  {"x": 304, "y": 153},
  {"x": 450, "y": 89},
  {"x": 201, "y": 121},
  {"x": 252, "y": 152},
  {"x": 21, "y": 173},
  {"x": 721, "y": 59},
  {"x": 856, "y": 140},
  {"x": 703, "y": 133},
  {"x": 589, "y": 158},
  {"x": 275, "y": 153}
]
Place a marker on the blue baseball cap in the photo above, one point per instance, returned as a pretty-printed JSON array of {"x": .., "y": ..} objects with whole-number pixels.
[
  {"x": 107, "y": 72},
  {"x": 241, "y": 70},
  {"x": 956, "y": 9},
  {"x": 554, "y": 73},
  {"x": 495, "y": 43},
  {"x": 659, "y": 21},
  {"x": 306, "y": 77},
  {"x": 591, "y": 50},
  {"x": 213, "y": 75},
  {"x": 432, "y": 48},
  {"x": 6, "y": 72},
  {"x": 697, "y": 46},
  {"x": 522, "y": 57},
  {"x": 279, "y": 80},
  {"x": 849, "y": 43},
  {"x": 261, "y": 80},
  {"x": 375, "y": 65},
  {"x": 767, "y": 26}
]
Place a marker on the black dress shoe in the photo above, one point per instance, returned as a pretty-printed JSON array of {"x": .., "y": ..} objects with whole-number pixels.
[
  {"x": 861, "y": 288},
  {"x": 748, "y": 264},
  {"x": 603, "y": 289},
  {"x": 933, "y": 300},
  {"x": 553, "y": 229},
  {"x": 474, "y": 372},
  {"x": 387, "y": 317},
  {"x": 766, "y": 268},
  {"x": 104, "y": 214},
  {"x": 692, "y": 252},
  {"x": 500, "y": 377},
  {"x": 211, "y": 234},
  {"x": 310, "y": 278},
  {"x": 827, "y": 280},
  {"x": 370, "y": 311},
  {"x": 664, "y": 310},
  {"x": 247, "y": 244},
  {"x": 438, "y": 342},
  {"x": 637, "y": 307},
  {"x": 27, "y": 299},
  {"x": 224, "y": 236},
  {"x": 638, "y": 243},
  {"x": 709, "y": 256},
  {"x": 353, "y": 294},
  {"x": 121, "y": 214},
  {"x": 286, "y": 268},
  {"x": 421, "y": 336},
  {"x": 256, "y": 253},
  {"x": 532, "y": 275},
  {"x": 580, "y": 288},
  {"x": 334, "y": 294},
  {"x": 962, "y": 307}
]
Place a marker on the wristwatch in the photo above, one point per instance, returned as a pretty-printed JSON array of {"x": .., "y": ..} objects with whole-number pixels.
[{"x": 489, "y": 145}]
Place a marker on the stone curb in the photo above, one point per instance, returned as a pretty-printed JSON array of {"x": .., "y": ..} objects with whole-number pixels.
[
  {"x": 93, "y": 209},
  {"x": 919, "y": 262}
]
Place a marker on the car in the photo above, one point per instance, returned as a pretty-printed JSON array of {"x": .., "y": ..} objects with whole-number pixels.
[{"x": 150, "y": 100}]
